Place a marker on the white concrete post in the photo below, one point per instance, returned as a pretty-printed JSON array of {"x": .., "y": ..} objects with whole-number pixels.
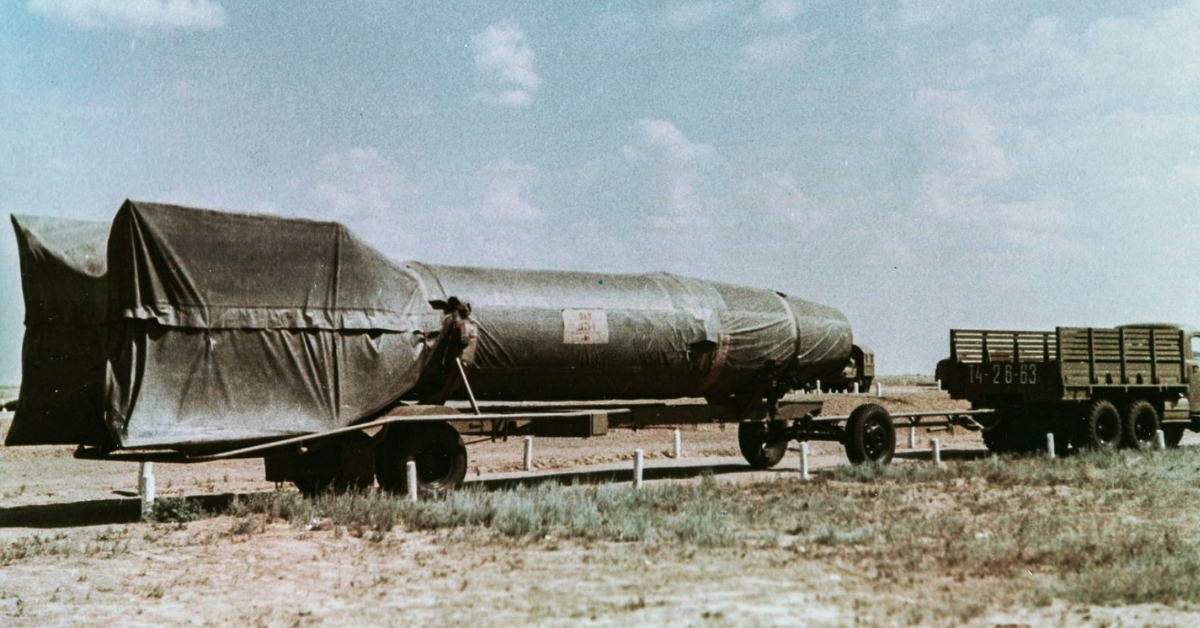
[
  {"x": 678, "y": 445},
  {"x": 856, "y": 388},
  {"x": 146, "y": 487},
  {"x": 818, "y": 386},
  {"x": 939, "y": 382},
  {"x": 638, "y": 466},
  {"x": 529, "y": 453},
  {"x": 1050, "y": 445},
  {"x": 411, "y": 475},
  {"x": 1160, "y": 440},
  {"x": 879, "y": 389},
  {"x": 912, "y": 437},
  {"x": 804, "y": 460},
  {"x": 937, "y": 452},
  {"x": 146, "y": 469}
]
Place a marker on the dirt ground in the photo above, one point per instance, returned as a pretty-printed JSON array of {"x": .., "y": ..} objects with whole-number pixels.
[{"x": 88, "y": 560}]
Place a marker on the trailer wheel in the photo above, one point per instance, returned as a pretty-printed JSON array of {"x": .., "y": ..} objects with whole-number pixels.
[
  {"x": 1101, "y": 425},
  {"x": 870, "y": 435},
  {"x": 438, "y": 450},
  {"x": 763, "y": 445},
  {"x": 1139, "y": 424},
  {"x": 1173, "y": 434}
]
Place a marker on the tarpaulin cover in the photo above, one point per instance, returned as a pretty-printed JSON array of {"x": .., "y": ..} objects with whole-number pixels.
[
  {"x": 62, "y": 379},
  {"x": 213, "y": 328},
  {"x": 655, "y": 336},
  {"x": 231, "y": 327}
]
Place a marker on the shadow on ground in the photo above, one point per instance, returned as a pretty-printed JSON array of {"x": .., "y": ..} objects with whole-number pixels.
[{"x": 96, "y": 512}]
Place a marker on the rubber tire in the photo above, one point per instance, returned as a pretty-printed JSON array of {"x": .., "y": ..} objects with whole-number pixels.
[
  {"x": 438, "y": 450},
  {"x": 755, "y": 441},
  {"x": 1138, "y": 425},
  {"x": 1173, "y": 434},
  {"x": 870, "y": 435},
  {"x": 1101, "y": 429}
]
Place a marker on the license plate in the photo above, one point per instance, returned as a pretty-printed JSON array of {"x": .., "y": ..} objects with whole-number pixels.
[{"x": 1006, "y": 373}]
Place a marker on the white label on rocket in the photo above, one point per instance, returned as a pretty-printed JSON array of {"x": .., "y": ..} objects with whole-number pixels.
[{"x": 585, "y": 327}]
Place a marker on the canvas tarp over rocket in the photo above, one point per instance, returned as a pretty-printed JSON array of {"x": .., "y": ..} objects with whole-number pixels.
[
  {"x": 656, "y": 335},
  {"x": 213, "y": 328},
  {"x": 66, "y": 302},
  {"x": 228, "y": 327}
]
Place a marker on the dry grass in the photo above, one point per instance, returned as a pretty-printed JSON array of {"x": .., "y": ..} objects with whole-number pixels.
[
  {"x": 1093, "y": 529},
  {"x": 907, "y": 544}
]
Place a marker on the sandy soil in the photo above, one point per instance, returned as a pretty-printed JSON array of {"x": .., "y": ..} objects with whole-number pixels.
[{"x": 96, "y": 564}]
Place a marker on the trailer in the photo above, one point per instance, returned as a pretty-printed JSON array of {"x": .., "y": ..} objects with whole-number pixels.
[
  {"x": 186, "y": 335},
  {"x": 1091, "y": 387}
]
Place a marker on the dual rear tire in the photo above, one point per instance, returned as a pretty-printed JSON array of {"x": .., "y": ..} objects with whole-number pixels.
[{"x": 1132, "y": 427}]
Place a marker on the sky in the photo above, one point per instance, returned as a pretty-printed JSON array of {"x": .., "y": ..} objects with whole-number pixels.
[{"x": 920, "y": 165}]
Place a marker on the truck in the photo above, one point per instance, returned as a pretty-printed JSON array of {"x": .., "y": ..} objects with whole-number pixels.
[
  {"x": 1091, "y": 387},
  {"x": 856, "y": 375},
  {"x": 176, "y": 334}
]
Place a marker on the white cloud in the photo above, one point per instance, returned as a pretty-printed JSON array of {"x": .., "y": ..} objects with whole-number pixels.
[
  {"x": 694, "y": 14},
  {"x": 969, "y": 175},
  {"x": 360, "y": 184},
  {"x": 1188, "y": 174},
  {"x": 504, "y": 192},
  {"x": 505, "y": 64},
  {"x": 784, "y": 201},
  {"x": 931, "y": 13},
  {"x": 964, "y": 148},
  {"x": 676, "y": 169},
  {"x": 133, "y": 14},
  {"x": 775, "y": 50},
  {"x": 1163, "y": 48},
  {"x": 780, "y": 10},
  {"x": 1152, "y": 56},
  {"x": 660, "y": 137}
]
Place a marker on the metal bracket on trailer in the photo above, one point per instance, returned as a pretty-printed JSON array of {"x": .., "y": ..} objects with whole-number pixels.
[{"x": 913, "y": 417}]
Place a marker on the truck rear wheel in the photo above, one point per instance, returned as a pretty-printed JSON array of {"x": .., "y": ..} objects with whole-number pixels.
[
  {"x": 1101, "y": 425},
  {"x": 762, "y": 444},
  {"x": 1138, "y": 425},
  {"x": 870, "y": 435},
  {"x": 438, "y": 450}
]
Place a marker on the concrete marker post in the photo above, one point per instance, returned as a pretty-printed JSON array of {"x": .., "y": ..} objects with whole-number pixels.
[
  {"x": 529, "y": 453},
  {"x": 1050, "y": 445},
  {"x": 818, "y": 386},
  {"x": 146, "y": 488},
  {"x": 912, "y": 437},
  {"x": 856, "y": 388},
  {"x": 1160, "y": 440},
  {"x": 804, "y": 460},
  {"x": 937, "y": 452},
  {"x": 678, "y": 445},
  {"x": 411, "y": 475},
  {"x": 639, "y": 466},
  {"x": 879, "y": 389}
]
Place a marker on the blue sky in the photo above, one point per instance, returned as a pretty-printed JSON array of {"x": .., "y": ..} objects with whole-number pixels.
[{"x": 920, "y": 165}]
